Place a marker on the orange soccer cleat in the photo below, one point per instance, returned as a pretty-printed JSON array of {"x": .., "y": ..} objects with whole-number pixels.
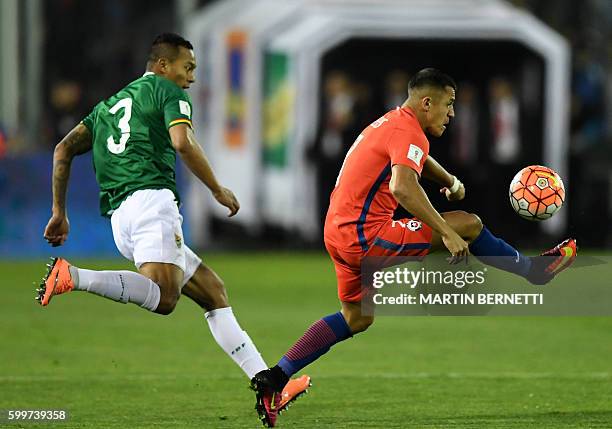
[
  {"x": 550, "y": 263},
  {"x": 293, "y": 390},
  {"x": 57, "y": 281},
  {"x": 563, "y": 255}
]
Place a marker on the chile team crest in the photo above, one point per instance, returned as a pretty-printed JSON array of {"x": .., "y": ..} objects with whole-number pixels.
[{"x": 414, "y": 225}]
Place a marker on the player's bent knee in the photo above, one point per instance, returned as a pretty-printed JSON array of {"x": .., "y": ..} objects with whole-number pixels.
[
  {"x": 361, "y": 324},
  {"x": 358, "y": 323},
  {"x": 167, "y": 301},
  {"x": 169, "y": 279},
  {"x": 207, "y": 289},
  {"x": 166, "y": 306},
  {"x": 475, "y": 226},
  {"x": 467, "y": 225}
]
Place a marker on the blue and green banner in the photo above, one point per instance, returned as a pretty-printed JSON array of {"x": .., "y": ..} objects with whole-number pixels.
[{"x": 278, "y": 105}]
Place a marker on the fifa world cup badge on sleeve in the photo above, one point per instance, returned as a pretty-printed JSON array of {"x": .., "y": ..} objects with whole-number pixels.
[
  {"x": 415, "y": 154},
  {"x": 184, "y": 108}
]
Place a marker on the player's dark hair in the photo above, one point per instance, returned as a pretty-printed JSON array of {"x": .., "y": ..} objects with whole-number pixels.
[
  {"x": 431, "y": 77},
  {"x": 166, "y": 45}
]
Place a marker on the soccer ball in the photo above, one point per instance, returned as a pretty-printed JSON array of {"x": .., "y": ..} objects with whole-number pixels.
[{"x": 536, "y": 193}]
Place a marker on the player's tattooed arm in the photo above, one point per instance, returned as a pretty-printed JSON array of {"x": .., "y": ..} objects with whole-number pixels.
[{"x": 77, "y": 142}]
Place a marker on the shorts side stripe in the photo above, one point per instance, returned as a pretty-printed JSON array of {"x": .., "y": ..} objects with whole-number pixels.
[{"x": 389, "y": 245}]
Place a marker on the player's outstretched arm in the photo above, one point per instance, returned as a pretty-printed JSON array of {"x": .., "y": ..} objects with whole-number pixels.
[
  {"x": 77, "y": 142},
  {"x": 451, "y": 186},
  {"x": 193, "y": 156},
  {"x": 407, "y": 190}
]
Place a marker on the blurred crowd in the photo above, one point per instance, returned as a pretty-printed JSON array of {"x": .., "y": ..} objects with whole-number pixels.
[
  {"x": 588, "y": 28},
  {"x": 348, "y": 106},
  {"x": 82, "y": 37},
  {"x": 484, "y": 139}
]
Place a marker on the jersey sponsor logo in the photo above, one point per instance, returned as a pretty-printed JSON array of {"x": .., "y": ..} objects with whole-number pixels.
[
  {"x": 415, "y": 154},
  {"x": 185, "y": 108},
  {"x": 398, "y": 223},
  {"x": 178, "y": 240}
]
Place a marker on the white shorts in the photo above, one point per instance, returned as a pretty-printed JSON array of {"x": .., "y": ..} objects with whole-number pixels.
[{"x": 147, "y": 228}]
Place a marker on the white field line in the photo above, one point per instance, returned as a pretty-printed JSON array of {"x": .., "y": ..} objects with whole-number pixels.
[{"x": 392, "y": 375}]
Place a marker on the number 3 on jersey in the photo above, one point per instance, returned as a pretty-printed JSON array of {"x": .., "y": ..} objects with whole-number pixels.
[
  {"x": 124, "y": 125},
  {"x": 353, "y": 146}
]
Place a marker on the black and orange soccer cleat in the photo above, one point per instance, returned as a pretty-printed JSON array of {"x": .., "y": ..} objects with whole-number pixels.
[
  {"x": 550, "y": 263},
  {"x": 57, "y": 281},
  {"x": 271, "y": 400},
  {"x": 267, "y": 398}
]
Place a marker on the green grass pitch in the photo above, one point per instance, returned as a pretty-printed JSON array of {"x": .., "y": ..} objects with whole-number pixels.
[{"x": 118, "y": 366}]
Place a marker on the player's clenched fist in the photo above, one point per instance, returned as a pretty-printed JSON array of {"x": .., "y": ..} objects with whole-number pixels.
[
  {"x": 456, "y": 192},
  {"x": 226, "y": 198},
  {"x": 57, "y": 230},
  {"x": 456, "y": 196}
]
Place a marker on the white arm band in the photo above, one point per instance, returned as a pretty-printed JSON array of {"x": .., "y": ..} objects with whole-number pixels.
[{"x": 455, "y": 187}]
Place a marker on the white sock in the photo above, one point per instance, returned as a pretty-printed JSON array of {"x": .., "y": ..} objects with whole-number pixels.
[
  {"x": 120, "y": 286},
  {"x": 236, "y": 342}
]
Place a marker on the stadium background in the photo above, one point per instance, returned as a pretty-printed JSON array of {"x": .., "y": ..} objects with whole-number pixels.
[
  {"x": 59, "y": 57},
  {"x": 279, "y": 149}
]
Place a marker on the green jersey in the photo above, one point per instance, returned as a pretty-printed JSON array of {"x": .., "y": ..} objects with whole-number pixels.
[{"x": 131, "y": 143}]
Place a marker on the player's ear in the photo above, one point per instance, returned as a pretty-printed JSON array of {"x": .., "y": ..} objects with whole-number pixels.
[
  {"x": 163, "y": 64},
  {"x": 426, "y": 103}
]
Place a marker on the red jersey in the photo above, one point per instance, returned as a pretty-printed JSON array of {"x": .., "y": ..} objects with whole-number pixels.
[{"x": 361, "y": 201}]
